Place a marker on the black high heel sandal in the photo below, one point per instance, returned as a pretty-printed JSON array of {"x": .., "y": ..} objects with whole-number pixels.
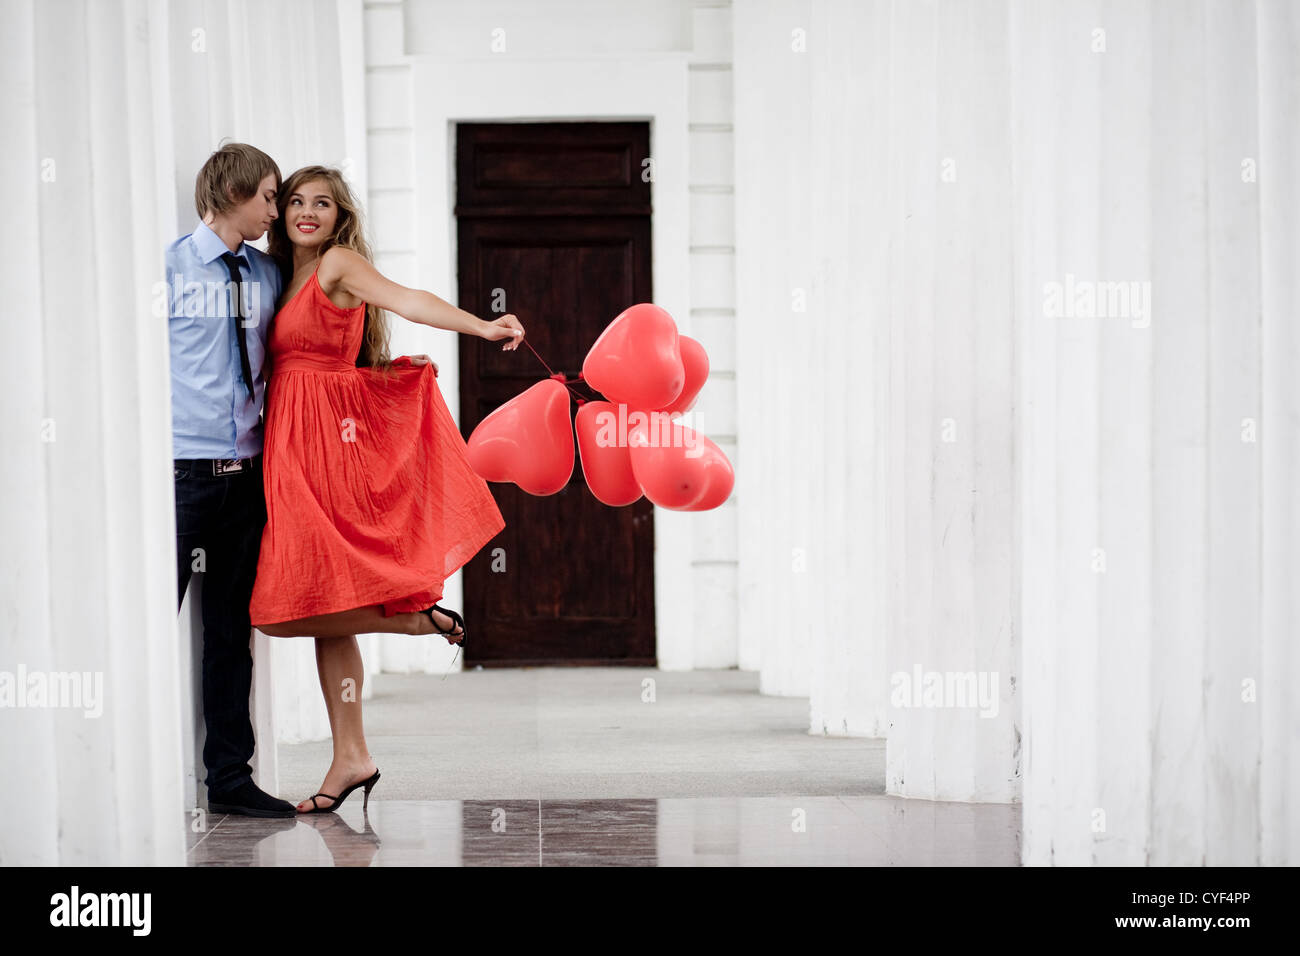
[
  {"x": 369, "y": 784},
  {"x": 456, "y": 619}
]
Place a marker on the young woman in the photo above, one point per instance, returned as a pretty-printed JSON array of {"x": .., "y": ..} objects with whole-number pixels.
[{"x": 371, "y": 502}]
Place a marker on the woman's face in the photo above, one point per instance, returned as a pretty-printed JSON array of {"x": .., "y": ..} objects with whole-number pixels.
[{"x": 310, "y": 214}]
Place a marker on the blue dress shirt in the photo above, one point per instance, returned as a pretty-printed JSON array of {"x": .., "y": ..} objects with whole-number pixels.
[{"x": 212, "y": 415}]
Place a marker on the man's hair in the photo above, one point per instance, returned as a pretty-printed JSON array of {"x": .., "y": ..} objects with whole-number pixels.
[{"x": 231, "y": 176}]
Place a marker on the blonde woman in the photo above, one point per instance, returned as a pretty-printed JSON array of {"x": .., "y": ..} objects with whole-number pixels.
[{"x": 371, "y": 502}]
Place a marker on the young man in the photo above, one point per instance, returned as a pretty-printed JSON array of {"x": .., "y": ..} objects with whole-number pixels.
[{"x": 223, "y": 294}]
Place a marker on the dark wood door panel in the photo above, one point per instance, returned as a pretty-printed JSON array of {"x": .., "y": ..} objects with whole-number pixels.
[
  {"x": 578, "y": 273},
  {"x": 533, "y": 168},
  {"x": 578, "y": 584},
  {"x": 566, "y": 281},
  {"x": 570, "y": 592}
]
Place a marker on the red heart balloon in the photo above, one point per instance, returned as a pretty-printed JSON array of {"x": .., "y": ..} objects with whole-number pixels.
[
  {"x": 695, "y": 362},
  {"x": 604, "y": 455},
  {"x": 527, "y": 440},
  {"x": 636, "y": 361},
  {"x": 678, "y": 468}
]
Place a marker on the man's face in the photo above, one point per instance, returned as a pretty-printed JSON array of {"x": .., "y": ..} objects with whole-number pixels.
[{"x": 253, "y": 216}]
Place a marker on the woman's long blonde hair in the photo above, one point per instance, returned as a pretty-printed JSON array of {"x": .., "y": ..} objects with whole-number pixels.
[{"x": 349, "y": 232}]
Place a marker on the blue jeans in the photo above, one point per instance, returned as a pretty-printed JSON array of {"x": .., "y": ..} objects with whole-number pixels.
[{"x": 224, "y": 516}]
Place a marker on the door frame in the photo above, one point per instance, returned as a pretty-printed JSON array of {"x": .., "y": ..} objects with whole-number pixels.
[{"x": 592, "y": 90}]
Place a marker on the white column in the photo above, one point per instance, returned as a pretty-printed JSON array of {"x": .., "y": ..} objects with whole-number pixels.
[
  {"x": 87, "y": 506},
  {"x": 809, "y": 356},
  {"x": 1159, "y": 505},
  {"x": 26, "y": 573},
  {"x": 781, "y": 559},
  {"x": 875, "y": 494},
  {"x": 951, "y": 641},
  {"x": 110, "y": 108},
  {"x": 1277, "y": 38}
]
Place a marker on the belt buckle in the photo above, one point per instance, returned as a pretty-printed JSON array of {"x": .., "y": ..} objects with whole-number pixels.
[{"x": 227, "y": 466}]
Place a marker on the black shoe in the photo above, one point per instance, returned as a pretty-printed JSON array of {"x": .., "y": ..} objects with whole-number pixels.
[
  {"x": 250, "y": 801},
  {"x": 338, "y": 801},
  {"x": 457, "y": 621}
]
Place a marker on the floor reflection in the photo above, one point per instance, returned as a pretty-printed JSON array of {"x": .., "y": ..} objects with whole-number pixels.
[{"x": 726, "y": 831}]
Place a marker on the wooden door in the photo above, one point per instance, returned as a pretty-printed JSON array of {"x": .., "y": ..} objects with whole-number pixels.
[{"x": 553, "y": 222}]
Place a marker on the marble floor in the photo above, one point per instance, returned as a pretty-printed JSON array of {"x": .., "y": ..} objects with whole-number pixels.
[
  {"x": 693, "y": 831},
  {"x": 584, "y": 766}
]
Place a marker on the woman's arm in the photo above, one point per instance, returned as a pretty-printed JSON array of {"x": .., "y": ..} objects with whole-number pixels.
[{"x": 343, "y": 268}]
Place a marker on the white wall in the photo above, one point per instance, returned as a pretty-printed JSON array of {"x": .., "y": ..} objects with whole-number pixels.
[
  {"x": 391, "y": 224},
  {"x": 714, "y": 554}
]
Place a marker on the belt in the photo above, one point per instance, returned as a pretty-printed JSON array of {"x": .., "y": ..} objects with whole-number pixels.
[{"x": 218, "y": 466}]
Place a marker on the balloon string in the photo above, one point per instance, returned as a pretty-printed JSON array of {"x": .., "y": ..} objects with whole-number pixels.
[
  {"x": 567, "y": 383},
  {"x": 549, "y": 370}
]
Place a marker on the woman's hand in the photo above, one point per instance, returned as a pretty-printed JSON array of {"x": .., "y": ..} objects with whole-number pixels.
[
  {"x": 506, "y": 327},
  {"x": 424, "y": 360}
]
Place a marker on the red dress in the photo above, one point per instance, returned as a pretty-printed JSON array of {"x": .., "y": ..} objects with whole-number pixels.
[{"x": 370, "y": 498}]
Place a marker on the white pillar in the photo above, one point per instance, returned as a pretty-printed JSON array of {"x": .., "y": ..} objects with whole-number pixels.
[
  {"x": 874, "y": 383},
  {"x": 87, "y": 513},
  {"x": 806, "y": 361},
  {"x": 1159, "y": 472},
  {"x": 951, "y": 662},
  {"x": 1278, "y": 37},
  {"x": 109, "y": 109}
]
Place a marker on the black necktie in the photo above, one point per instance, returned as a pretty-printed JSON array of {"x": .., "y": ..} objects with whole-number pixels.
[{"x": 232, "y": 264}]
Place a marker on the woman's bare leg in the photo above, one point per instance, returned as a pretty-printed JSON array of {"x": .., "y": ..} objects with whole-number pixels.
[
  {"x": 338, "y": 663},
  {"x": 359, "y": 620}
]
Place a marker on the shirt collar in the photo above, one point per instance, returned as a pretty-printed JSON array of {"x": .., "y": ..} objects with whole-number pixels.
[{"x": 210, "y": 246}]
